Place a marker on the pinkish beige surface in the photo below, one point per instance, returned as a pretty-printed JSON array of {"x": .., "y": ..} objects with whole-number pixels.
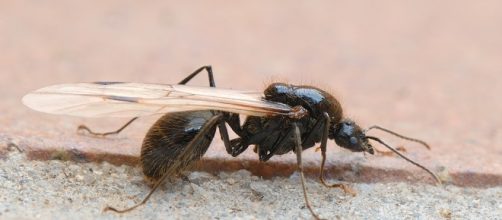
[{"x": 426, "y": 69}]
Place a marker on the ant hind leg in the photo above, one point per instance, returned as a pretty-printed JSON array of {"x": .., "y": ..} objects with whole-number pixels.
[
  {"x": 186, "y": 156},
  {"x": 104, "y": 134},
  {"x": 209, "y": 71},
  {"x": 182, "y": 82}
]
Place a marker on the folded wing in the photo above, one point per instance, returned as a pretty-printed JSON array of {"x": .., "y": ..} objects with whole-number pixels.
[{"x": 116, "y": 99}]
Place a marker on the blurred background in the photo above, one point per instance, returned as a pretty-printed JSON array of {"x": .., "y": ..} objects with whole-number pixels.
[{"x": 431, "y": 69}]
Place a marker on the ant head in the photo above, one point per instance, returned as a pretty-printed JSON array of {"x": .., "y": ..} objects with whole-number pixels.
[{"x": 349, "y": 135}]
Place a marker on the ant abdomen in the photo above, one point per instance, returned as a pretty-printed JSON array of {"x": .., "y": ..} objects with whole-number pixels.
[{"x": 164, "y": 147}]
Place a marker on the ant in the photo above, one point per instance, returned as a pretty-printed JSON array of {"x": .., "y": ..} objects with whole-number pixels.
[{"x": 286, "y": 118}]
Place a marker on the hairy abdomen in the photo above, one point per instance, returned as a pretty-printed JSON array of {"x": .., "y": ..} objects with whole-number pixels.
[{"x": 164, "y": 149}]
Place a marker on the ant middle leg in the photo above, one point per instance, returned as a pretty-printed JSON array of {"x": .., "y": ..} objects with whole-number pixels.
[
  {"x": 182, "y": 82},
  {"x": 298, "y": 151}
]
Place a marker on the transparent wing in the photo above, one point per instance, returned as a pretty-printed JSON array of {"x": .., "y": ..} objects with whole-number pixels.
[{"x": 116, "y": 99}]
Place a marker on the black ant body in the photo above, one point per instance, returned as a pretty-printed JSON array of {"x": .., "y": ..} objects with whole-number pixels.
[{"x": 178, "y": 139}]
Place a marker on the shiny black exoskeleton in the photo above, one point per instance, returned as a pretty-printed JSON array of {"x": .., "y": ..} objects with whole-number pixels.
[
  {"x": 272, "y": 136},
  {"x": 167, "y": 146},
  {"x": 179, "y": 139},
  {"x": 164, "y": 150}
]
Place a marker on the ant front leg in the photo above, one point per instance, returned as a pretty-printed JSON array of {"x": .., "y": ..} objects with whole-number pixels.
[
  {"x": 209, "y": 71},
  {"x": 324, "y": 142}
]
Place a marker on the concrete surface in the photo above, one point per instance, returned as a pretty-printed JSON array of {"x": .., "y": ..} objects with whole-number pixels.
[
  {"x": 427, "y": 69},
  {"x": 68, "y": 190}
]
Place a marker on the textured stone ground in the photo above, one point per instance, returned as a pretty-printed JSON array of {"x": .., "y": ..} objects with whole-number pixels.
[{"x": 63, "y": 190}]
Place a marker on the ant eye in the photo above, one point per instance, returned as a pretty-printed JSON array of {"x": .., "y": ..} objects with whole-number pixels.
[{"x": 353, "y": 140}]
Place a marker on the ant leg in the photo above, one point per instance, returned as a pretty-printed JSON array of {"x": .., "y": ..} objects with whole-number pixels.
[
  {"x": 186, "y": 156},
  {"x": 183, "y": 82},
  {"x": 235, "y": 146},
  {"x": 324, "y": 142},
  {"x": 209, "y": 71},
  {"x": 234, "y": 122},
  {"x": 298, "y": 150},
  {"x": 221, "y": 126},
  {"x": 233, "y": 118},
  {"x": 224, "y": 136},
  {"x": 84, "y": 127}
]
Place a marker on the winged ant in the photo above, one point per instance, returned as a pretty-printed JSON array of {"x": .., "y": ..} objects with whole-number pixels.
[{"x": 285, "y": 118}]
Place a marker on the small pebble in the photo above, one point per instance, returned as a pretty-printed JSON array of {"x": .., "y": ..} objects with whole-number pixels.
[{"x": 231, "y": 181}]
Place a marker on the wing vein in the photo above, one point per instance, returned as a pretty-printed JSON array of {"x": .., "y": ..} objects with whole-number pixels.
[{"x": 140, "y": 99}]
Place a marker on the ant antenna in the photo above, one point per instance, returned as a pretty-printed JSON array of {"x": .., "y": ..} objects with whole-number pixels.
[
  {"x": 404, "y": 157},
  {"x": 398, "y": 135}
]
